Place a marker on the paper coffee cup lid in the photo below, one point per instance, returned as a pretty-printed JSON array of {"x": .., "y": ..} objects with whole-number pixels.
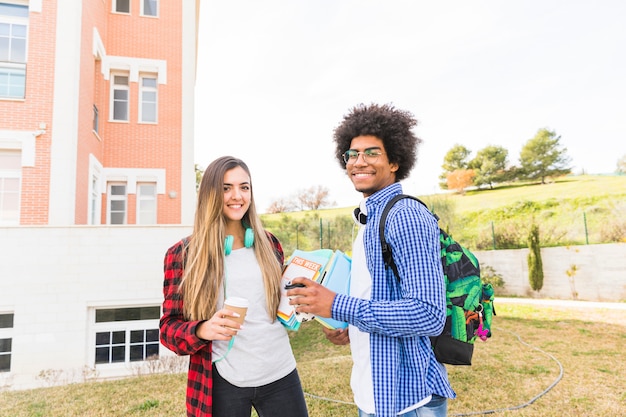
[{"x": 236, "y": 302}]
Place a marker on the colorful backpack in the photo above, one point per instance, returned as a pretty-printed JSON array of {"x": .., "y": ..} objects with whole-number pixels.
[{"x": 469, "y": 300}]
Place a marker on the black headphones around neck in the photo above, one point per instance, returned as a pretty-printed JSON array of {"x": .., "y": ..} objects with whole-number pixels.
[{"x": 358, "y": 216}]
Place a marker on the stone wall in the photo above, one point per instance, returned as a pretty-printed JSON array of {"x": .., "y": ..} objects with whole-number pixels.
[{"x": 600, "y": 274}]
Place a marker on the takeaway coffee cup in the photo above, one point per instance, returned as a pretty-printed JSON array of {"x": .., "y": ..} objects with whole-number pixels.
[{"x": 238, "y": 305}]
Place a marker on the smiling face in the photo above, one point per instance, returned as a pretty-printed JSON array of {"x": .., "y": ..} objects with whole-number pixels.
[
  {"x": 374, "y": 174},
  {"x": 237, "y": 194}
]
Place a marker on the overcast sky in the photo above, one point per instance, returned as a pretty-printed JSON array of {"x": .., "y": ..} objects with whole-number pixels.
[{"x": 275, "y": 77}]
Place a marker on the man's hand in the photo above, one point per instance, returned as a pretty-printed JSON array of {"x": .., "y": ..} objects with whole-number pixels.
[
  {"x": 312, "y": 298},
  {"x": 337, "y": 336}
]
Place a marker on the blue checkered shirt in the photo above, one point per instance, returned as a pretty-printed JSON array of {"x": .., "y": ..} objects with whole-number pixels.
[{"x": 401, "y": 315}]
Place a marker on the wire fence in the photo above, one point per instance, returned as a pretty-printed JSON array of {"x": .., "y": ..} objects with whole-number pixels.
[{"x": 575, "y": 227}]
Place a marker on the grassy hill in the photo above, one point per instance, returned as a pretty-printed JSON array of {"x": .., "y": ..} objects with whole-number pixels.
[
  {"x": 571, "y": 187},
  {"x": 571, "y": 210},
  {"x": 609, "y": 186}
]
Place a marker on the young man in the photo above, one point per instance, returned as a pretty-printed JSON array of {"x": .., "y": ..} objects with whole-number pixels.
[{"x": 395, "y": 372}]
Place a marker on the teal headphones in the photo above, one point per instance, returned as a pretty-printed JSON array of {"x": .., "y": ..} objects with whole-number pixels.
[{"x": 248, "y": 241}]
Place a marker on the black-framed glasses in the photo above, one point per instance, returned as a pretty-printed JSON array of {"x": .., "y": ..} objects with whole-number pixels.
[{"x": 369, "y": 155}]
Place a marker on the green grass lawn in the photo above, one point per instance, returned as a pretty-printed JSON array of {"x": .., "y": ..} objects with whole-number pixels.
[
  {"x": 517, "y": 372},
  {"x": 570, "y": 187}
]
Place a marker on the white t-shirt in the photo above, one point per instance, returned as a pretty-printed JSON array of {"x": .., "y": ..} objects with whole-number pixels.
[
  {"x": 361, "y": 287},
  {"x": 261, "y": 352}
]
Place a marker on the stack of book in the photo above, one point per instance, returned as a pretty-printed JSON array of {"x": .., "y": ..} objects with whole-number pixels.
[{"x": 325, "y": 266}]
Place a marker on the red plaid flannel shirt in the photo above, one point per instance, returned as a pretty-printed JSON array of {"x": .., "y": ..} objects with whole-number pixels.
[{"x": 179, "y": 335}]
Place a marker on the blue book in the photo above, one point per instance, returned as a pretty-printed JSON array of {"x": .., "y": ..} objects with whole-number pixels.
[
  {"x": 336, "y": 277},
  {"x": 327, "y": 267}
]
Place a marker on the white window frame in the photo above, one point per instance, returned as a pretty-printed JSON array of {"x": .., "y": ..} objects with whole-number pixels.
[
  {"x": 115, "y": 87},
  {"x": 11, "y": 174},
  {"x": 111, "y": 198},
  {"x": 95, "y": 201},
  {"x": 114, "y": 5},
  {"x": 94, "y": 204},
  {"x": 145, "y": 91},
  {"x": 131, "y": 177},
  {"x": 142, "y": 11},
  {"x": 127, "y": 327},
  {"x": 112, "y": 64},
  {"x": 15, "y": 86},
  {"x": 7, "y": 333},
  {"x": 146, "y": 216},
  {"x": 10, "y": 69}
]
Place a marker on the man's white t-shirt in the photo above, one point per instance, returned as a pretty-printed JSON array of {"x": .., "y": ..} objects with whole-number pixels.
[{"x": 361, "y": 287}]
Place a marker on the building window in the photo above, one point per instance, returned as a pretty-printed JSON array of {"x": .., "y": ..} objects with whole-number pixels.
[
  {"x": 148, "y": 100},
  {"x": 111, "y": 347},
  {"x": 121, "y": 6},
  {"x": 146, "y": 203},
  {"x": 144, "y": 344},
  {"x": 117, "y": 203},
  {"x": 126, "y": 334},
  {"x": 96, "y": 119},
  {"x": 6, "y": 342},
  {"x": 150, "y": 8},
  {"x": 13, "y": 43},
  {"x": 120, "y": 98},
  {"x": 12, "y": 82},
  {"x": 10, "y": 179}
]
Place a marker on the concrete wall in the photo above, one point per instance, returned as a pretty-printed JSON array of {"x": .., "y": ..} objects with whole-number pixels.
[
  {"x": 600, "y": 275},
  {"x": 53, "y": 278}
]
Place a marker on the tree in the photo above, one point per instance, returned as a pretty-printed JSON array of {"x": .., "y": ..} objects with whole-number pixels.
[
  {"x": 455, "y": 159},
  {"x": 460, "y": 179},
  {"x": 199, "y": 172},
  {"x": 281, "y": 206},
  {"x": 621, "y": 165},
  {"x": 489, "y": 165},
  {"x": 314, "y": 198},
  {"x": 542, "y": 157},
  {"x": 535, "y": 265}
]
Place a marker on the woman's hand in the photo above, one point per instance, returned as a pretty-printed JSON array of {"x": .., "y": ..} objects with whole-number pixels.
[{"x": 219, "y": 327}]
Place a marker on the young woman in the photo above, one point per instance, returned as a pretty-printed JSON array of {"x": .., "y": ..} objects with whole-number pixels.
[{"x": 232, "y": 367}]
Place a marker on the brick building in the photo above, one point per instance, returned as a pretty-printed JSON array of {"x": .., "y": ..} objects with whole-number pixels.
[
  {"x": 96, "y": 180},
  {"x": 96, "y": 112}
]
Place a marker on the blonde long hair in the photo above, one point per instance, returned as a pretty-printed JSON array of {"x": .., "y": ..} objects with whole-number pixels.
[{"x": 203, "y": 275}]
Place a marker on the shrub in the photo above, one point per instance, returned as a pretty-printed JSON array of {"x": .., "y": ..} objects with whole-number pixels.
[
  {"x": 489, "y": 276},
  {"x": 614, "y": 228},
  {"x": 535, "y": 265}
]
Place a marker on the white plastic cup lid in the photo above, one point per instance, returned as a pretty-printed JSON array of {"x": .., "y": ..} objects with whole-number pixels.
[{"x": 236, "y": 302}]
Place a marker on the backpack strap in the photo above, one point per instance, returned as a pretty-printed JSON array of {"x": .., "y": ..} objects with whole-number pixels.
[{"x": 386, "y": 248}]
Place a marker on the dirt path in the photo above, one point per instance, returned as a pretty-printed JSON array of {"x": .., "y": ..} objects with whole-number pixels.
[{"x": 614, "y": 313}]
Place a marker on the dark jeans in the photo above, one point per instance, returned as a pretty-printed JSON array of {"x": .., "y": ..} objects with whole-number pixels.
[
  {"x": 277, "y": 399},
  {"x": 437, "y": 407}
]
